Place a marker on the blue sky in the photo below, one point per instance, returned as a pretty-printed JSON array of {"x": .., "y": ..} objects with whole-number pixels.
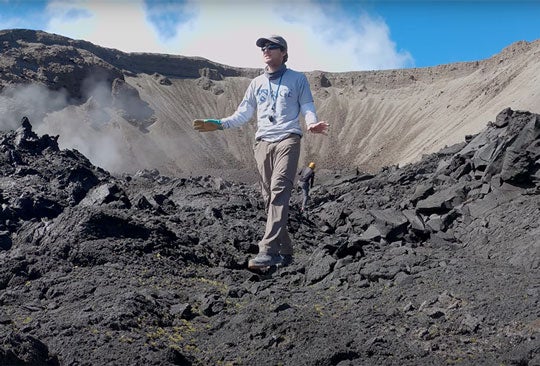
[{"x": 329, "y": 35}]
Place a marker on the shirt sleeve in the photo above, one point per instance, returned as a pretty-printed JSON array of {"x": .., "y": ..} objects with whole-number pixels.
[
  {"x": 308, "y": 111},
  {"x": 305, "y": 99},
  {"x": 244, "y": 112}
]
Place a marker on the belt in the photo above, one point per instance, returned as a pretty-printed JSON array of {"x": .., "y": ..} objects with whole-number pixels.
[{"x": 285, "y": 138}]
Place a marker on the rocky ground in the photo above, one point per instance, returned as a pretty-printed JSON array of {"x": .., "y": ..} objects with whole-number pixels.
[{"x": 434, "y": 263}]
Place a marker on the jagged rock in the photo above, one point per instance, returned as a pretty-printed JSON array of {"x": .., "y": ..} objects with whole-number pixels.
[
  {"x": 469, "y": 324},
  {"x": 416, "y": 222},
  {"x": 464, "y": 169},
  {"x": 372, "y": 233},
  {"x": 441, "y": 201},
  {"x": 212, "y": 305},
  {"x": 26, "y": 138},
  {"x": 212, "y": 74},
  {"x": 162, "y": 80},
  {"x": 520, "y": 158},
  {"x": 494, "y": 199},
  {"x": 20, "y": 349},
  {"x": 484, "y": 155},
  {"x": 390, "y": 223},
  {"x": 323, "y": 81},
  {"x": 435, "y": 223},
  {"x": 142, "y": 203},
  {"x": 509, "y": 148},
  {"x": 421, "y": 191},
  {"x": 360, "y": 218},
  {"x": 503, "y": 118},
  {"x": 127, "y": 99},
  {"x": 106, "y": 194},
  {"x": 163, "y": 280},
  {"x": 5, "y": 240},
  {"x": 352, "y": 247},
  {"x": 205, "y": 83},
  {"x": 321, "y": 265},
  {"x": 165, "y": 81},
  {"x": 182, "y": 310},
  {"x": 334, "y": 215}
]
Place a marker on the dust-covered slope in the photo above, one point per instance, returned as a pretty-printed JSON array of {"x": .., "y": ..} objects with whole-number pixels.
[
  {"x": 377, "y": 118},
  {"x": 145, "y": 104}
]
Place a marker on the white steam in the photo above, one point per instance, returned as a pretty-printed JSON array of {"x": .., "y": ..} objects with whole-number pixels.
[
  {"x": 33, "y": 101},
  {"x": 93, "y": 128}
]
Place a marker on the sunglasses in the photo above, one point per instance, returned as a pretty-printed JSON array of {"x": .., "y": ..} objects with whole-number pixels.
[{"x": 270, "y": 47}]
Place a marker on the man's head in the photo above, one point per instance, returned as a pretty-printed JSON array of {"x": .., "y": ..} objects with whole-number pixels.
[
  {"x": 276, "y": 45},
  {"x": 312, "y": 165}
]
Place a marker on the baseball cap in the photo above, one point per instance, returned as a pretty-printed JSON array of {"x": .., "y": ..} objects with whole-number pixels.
[{"x": 273, "y": 39}]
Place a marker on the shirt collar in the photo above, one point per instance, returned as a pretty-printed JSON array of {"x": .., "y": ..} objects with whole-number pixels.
[{"x": 276, "y": 74}]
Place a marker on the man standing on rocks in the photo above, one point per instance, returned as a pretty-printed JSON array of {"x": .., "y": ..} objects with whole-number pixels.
[
  {"x": 307, "y": 177},
  {"x": 279, "y": 96}
]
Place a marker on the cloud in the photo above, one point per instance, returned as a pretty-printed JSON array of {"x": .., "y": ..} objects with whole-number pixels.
[
  {"x": 114, "y": 24},
  {"x": 320, "y": 36}
]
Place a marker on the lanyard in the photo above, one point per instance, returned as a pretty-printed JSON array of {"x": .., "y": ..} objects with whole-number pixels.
[{"x": 274, "y": 100}]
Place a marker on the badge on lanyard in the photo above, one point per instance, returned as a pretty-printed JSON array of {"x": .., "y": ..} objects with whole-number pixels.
[{"x": 272, "y": 117}]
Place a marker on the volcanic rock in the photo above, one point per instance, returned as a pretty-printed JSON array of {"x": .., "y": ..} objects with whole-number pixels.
[{"x": 404, "y": 267}]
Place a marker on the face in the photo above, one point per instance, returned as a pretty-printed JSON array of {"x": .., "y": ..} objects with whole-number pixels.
[{"x": 272, "y": 54}]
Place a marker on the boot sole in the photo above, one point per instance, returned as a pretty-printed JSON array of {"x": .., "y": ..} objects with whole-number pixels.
[{"x": 263, "y": 267}]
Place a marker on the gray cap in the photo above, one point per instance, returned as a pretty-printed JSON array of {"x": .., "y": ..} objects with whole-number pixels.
[{"x": 273, "y": 39}]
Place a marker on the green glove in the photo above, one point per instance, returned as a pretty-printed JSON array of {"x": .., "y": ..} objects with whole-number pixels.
[{"x": 207, "y": 125}]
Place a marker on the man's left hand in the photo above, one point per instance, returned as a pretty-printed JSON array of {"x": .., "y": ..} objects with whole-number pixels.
[{"x": 320, "y": 127}]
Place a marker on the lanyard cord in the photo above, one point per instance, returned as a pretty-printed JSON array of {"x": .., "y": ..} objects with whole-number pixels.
[{"x": 274, "y": 100}]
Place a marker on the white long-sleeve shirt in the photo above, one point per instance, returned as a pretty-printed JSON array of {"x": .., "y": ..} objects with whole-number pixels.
[{"x": 290, "y": 93}]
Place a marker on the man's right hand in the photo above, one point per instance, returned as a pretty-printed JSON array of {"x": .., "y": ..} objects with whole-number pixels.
[{"x": 207, "y": 125}]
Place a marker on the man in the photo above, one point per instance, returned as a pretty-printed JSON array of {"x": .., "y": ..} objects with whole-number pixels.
[
  {"x": 307, "y": 177},
  {"x": 279, "y": 96}
]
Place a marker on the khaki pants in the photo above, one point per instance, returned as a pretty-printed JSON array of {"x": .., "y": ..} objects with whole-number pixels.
[{"x": 277, "y": 163}]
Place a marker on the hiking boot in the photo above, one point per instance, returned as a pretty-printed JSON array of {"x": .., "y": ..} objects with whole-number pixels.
[
  {"x": 265, "y": 260},
  {"x": 286, "y": 259}
]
